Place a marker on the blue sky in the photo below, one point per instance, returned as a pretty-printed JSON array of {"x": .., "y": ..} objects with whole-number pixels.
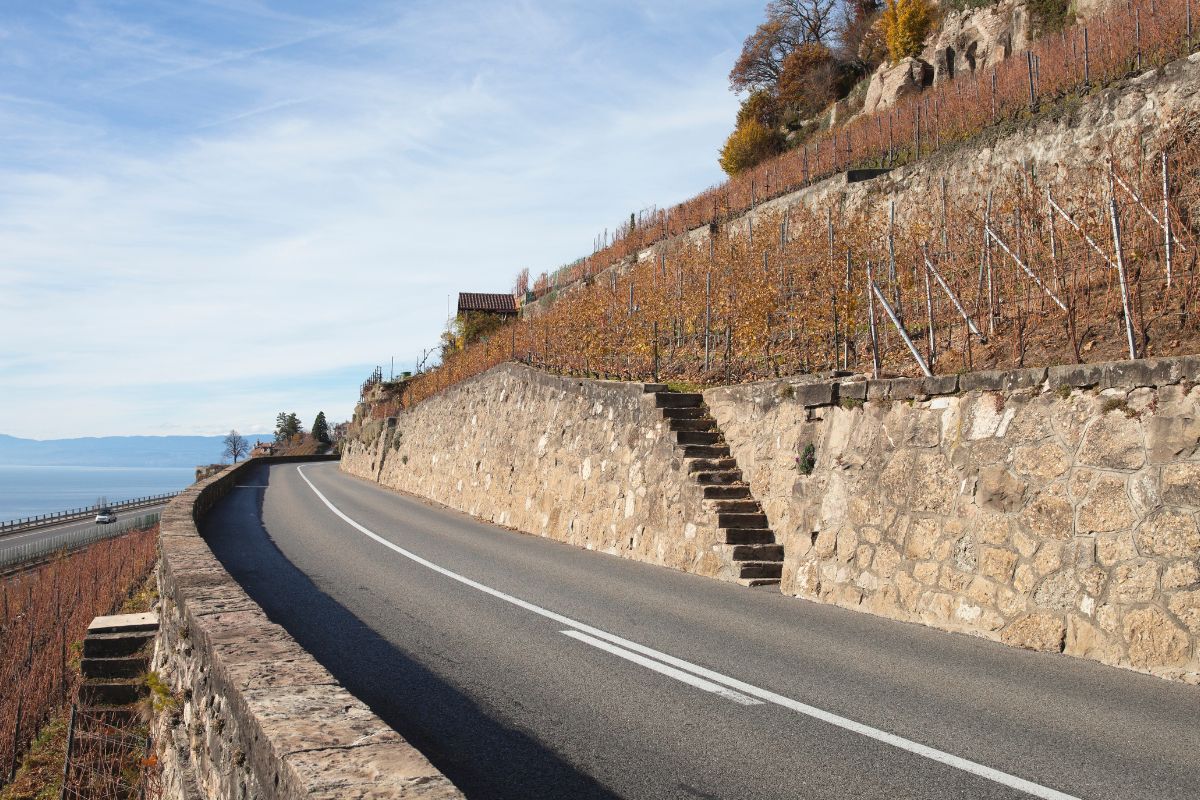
[{"x": 213, "y": 210}]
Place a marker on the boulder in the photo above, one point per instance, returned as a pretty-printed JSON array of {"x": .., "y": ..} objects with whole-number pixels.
[{"x": 892, "y": 82}]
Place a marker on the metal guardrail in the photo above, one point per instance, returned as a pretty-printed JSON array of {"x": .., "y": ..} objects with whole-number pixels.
[
  {"x": 72, "y": 540},
  {"x": 41, "y": 520}
]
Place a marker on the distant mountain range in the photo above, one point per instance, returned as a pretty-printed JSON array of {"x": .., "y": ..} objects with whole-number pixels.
[{"x": 114, "y": 451}]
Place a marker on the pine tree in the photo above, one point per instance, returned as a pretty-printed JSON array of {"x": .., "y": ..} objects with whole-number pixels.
[{"x": 320, "y": 428}]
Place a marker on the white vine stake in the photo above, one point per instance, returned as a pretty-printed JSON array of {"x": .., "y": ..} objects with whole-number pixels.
[{"x": 1116, "y": 229}]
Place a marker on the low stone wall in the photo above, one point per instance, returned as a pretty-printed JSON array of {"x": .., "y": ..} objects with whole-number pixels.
[
  {"x": 259, "y": 717},
  {"x": 585, "y": 462},
  {"x": 1055, "y": 510}
]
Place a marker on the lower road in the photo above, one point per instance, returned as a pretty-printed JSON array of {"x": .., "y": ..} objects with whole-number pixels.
[
  {"x": 525, "y": 668},
  {"x": 46, "y": 533}
]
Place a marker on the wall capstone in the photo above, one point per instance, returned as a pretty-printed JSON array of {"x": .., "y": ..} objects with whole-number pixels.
[{"x": 259, "y": 716}]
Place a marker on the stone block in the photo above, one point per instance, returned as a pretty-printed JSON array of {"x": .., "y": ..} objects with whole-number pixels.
[
  {"x": 1037, "y": 631},
  {"x": 1168, "y": 532},
  {"x": 999, "y": 490},
  {"x": 1189, "y": 368},
  {"x": 1077, "y": 376},
  {"x": 939, "y": 385},
  {"x": 812, "y": 395},
  {"x": 983, "y": 381},
  {"x": 1180, "y": 484},
  {"x": 906, "y": 388},
  {"x": 997, "y": 563},
  {"x": 1186, "y": 606},
  {"x": 1153, "y": 640},
  {"x": 1142, "y": 372},
  {"x": 1107, "y": 506},
  {"x": 380, "y": 771},
  {"x": 852, "y": 390},
  {"x": 1113, "y": 441},
  {"x": 879, "y": 390},
  {"x": 1030, "y": 378},
  {"x": 1135, "y": 583},
  {"x": 1172, "y": 438}
]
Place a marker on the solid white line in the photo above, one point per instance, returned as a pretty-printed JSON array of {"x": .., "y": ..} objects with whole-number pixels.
[
  {"x": 677, "y": 674},
  {"x": 1003, "y": 778}
]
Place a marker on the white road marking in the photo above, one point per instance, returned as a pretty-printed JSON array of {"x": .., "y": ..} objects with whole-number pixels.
[
  {"x": 663, "y": 669},
  {"x": 949, "y": 759}
]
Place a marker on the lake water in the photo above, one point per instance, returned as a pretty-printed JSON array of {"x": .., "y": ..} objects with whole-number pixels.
[{"x": 26, "y": 491}]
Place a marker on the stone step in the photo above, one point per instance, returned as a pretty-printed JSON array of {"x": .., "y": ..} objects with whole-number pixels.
[
  {"x": 705, "y": 450},
  {"x": 738, "y": 506},
  {"x": 112, "y": 645},
  {"x": 759, "y": 569},
  {"x": 753, "y": 582},
  {"x": 124, "y": 623},
  {"x": 698, "y": 437},
  {"x": 742, "y": 521},
  {"x": 758, "y": 552},
  {"x": 692, "y": 424},
  {"x": 711, "y": 464},
  {"x": 678, "y": 400},
  {"x": 112, "y": 693},
  {"x": 119, "y": 667},
  {"x": 749, "y": 536},
  {"x": 696, "y": 412},
  {"x": 726, "y": 492},
  {"x": 722, "y": 477}
]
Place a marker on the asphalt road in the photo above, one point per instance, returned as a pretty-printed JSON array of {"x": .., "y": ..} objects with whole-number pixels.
[
  {"x": 525, "y": 668},
  {"x": 41, "y": 534}
]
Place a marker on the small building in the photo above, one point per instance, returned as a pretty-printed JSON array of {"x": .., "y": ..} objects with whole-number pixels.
[
  {"x": 263, "y": 449},
  {"x": 501, "y": 305}
]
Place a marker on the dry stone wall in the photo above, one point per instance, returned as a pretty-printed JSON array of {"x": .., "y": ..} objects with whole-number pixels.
[
  {"x": 590, "y": 463},
  {"x": 253, "y": 714},
  {"x": 1057, "y": 510}
]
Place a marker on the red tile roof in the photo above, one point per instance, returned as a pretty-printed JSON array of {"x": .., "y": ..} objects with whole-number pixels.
[{"x": 494, "y": 303}]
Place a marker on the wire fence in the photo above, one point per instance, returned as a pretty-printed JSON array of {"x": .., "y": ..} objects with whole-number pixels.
[
  {"x": 44, "y": 615},
  {"x": 40, "y": 520},
  {"x": 1091, "y": 263},
  {"x": 108, "y": 756},
  {"x": 1127, "y": 39}
]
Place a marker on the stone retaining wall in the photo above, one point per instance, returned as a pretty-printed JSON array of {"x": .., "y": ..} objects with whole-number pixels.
[
  {"x": 1052, "y": 509},
  {"x": 257, "y": 716},
  {"x": 585, "y": 462}
]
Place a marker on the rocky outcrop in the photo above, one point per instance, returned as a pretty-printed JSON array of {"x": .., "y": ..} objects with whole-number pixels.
[
  {"x": 893, "y": 82},
  {"x": 966, "y": 42},
  {"x": 1056, "y": 509},
  {"x": 978, "y": 39}
]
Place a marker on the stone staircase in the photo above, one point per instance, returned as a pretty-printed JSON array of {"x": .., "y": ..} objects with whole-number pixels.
[
  {"x": 757, "y": 558},
  {"x": 116, "y": 656}
]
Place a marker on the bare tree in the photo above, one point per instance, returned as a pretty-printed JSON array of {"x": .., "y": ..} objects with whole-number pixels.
[
  {"x": 235, "y": 446},
  {"x": 790, "y": 25}
]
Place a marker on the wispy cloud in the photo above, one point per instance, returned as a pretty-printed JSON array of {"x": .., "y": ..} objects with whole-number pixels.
[{"x": 208, "y": 209}]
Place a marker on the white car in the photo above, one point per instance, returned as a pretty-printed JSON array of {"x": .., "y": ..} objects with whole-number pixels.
[{"x": 106, "y": 516}]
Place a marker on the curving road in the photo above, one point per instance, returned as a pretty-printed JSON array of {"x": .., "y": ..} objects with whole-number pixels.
[{"x": 525, "y": 668}]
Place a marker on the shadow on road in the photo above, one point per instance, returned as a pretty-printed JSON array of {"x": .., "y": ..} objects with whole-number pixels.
[{"x": 481, "y": 756}]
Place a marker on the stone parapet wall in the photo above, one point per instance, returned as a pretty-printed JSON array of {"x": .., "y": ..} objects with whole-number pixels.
[
  {"x": 1056, "y": 509},
  {"x": 257, "y": 716},
  {"x": 586, "y": 462}
]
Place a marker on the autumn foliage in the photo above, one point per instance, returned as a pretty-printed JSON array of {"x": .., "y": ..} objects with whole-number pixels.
[
  {"x": 779, "y": 300},
  {"x": 44, "y": 615},
  {"x": 905, "y": 25}
]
